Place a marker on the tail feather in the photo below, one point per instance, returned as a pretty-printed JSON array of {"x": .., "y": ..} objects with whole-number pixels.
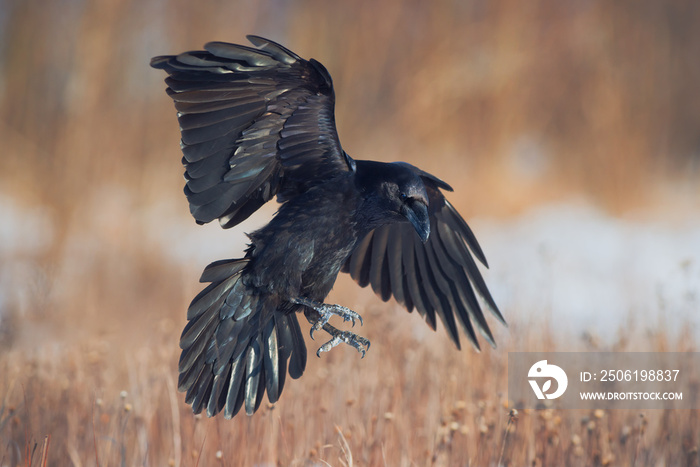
[
  {"x": 254, "y": 372},
  {"x": 211, "y": 295},
  {"x": 234, "y": 397},
  {"x": 197, "y": 326},
  {"x": 297, "y": 363},
  {"x": 217, "y": 399},
  {"x": 189, "y": 375},
  {"x": 271, "y": 362},
  {"x": 219, "y": 271},
  {"x": 237, "y": 345},
  {"x": 222, "y": 346},
  {"x": 202, "y": 389}
]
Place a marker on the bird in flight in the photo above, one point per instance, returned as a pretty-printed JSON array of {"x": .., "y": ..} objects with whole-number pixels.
[{"x": 258, "y": 123}]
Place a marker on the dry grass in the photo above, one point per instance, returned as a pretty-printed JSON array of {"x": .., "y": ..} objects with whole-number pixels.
[
  {"x": 514, "y": 103},
  {"x": 111, "y": 400}
]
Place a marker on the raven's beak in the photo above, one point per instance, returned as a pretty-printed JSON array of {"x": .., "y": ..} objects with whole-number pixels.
[{"x": 416, "y": 212}]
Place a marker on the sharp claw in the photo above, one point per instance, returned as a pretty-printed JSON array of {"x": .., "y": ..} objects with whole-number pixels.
[
  {"x": 325, "y": 312},
  {"x": 358, "y": 342},
  {"x": 315, "y": 328}
]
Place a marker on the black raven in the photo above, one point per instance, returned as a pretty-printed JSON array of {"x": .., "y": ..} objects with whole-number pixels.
[{"x": 258, "y": 123}]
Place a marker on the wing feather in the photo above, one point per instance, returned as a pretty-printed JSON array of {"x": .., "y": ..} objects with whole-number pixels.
[
  {"x": 255, "y": 123},
  {"x": 396, "y": 278},
  {"x": 438, "y": 278},
  {"x": 414, "y": 283},
  {"x": 217, "y": 399},
  {"x": 271, "y": 362},
  {"x": 379, "y": 275},
  {"x": 235, "y": 393},
  {"x": 358, "y": 264},
  {"x": 433, "y": 286}
]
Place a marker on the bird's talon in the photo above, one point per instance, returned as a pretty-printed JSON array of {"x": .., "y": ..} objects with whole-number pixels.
[
  {"x": 359, "y": 343},
  {"x": 325, "y": 312}
]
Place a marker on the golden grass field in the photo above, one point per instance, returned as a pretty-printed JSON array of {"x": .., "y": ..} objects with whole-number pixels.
[{"x": 515, "y": 104}]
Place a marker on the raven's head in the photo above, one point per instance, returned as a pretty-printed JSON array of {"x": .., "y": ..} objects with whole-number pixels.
[
  {"x": 413, "y": 205},
  {"x": 394, "y": 193}
]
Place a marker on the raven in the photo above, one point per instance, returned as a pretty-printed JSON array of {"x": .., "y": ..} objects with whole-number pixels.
[{"x": 258, "y": 123}]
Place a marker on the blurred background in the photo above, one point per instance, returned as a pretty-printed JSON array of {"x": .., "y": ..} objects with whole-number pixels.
[{"x": 570, "y": 131}]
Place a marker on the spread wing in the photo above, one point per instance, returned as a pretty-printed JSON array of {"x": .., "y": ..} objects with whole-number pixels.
[
  {"x": 438, "y": 278},
  {"x": 255, "y": 123}
]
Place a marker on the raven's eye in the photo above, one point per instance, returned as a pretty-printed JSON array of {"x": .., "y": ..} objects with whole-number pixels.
[{"x": 403, "y": 196}]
